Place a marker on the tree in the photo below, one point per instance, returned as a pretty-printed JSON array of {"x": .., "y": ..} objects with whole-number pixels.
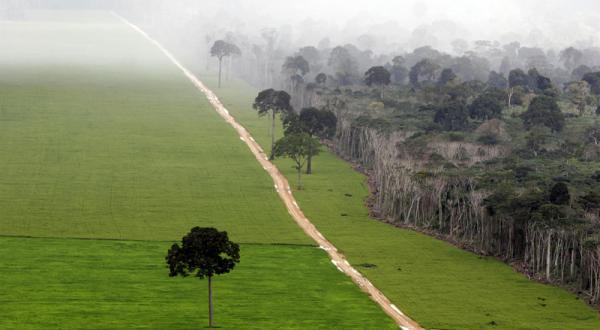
[
  {"x": 578, "y": 93},
  {"x": 378, "y": 76},
  {"x": 275, "y": 102},
  {"x": 295, "y": 65},
  {"x": 537, "y": 137},
  {"x": 343, "y": 64},
  {"x": 221, "y": 49},
  {"x": 425, "y": 69},
  {"x": 486, "y": 106},
  {"x": 204, "y": 252},
  {"x": 497, "y": 80},
  {"x": 537, "y": 82},
  {"x": 317, "y": 123},
  {"x": 593, "y": 79},
  {"x": 321, "y": 79},
  {"x": 580, "y": 71},
  {"x": 543, "y": 110},
  {"x": 559, "y": 194},
  {"x": 398, "y": 71},
  {"x": 570, "y": 57},
  {"x": 452, "y": 116},
  {"x": 447, "y": 76},
  {"x": 516, "y": 78},
  {"x": 298, "y": 147}
]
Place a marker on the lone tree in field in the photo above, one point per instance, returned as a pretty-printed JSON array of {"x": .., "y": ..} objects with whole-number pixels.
[
  {"x": 221, "y": 49},
  {"x": 298, "y": 147},
  {"x": 275, "y": 102},
  {"x": 378, "y": 76},
  {"x": 204, "y": 252}
]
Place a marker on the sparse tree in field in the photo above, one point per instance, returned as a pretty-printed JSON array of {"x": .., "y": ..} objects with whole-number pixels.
[
  {"x": 270, "y": 100},
  {"x": 543, "y": 110},
  {"x": 315, "y": 123},
  {"x": 379, "y": 77},
  {"x": 298, "y": 147},
  {"x": 221, "y": 49},
  {"x": 204, "y": 252}
]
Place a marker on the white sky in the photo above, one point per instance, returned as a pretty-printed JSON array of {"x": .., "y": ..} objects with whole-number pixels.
[{"x": 562, "y": 22}]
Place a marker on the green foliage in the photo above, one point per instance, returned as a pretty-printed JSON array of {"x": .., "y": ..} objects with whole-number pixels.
[
  {"x": 559, "y": 194},
  {"x": 452, "y": 116},
  {"x": 204, "y": 252},
  {"x": 486, "y": 106},
  {"x": 272, "y": 100},
  {"x": 222, "y": 49},
  {"x": 593, "y": 79},
  {"x": 543, "y": 110},
  {"x": 378, "y": 76}
]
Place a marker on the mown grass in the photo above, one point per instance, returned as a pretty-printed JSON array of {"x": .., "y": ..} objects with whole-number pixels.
[
  {"x": 439, "y": 285},
  {"x": 102, "y": 137},
  {"x": 95, "y": 284}
]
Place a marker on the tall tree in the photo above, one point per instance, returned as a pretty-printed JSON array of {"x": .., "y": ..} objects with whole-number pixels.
[
  {"x": 315, "y": 123},
  {"x": 204, "y": 252},
  {"x": 270, "y": 100},
  {"x": 221, "y": 49},
  {"x": 298, "y": 147},
  {"x": 343, "y": 65},
  {"x": 425, "y": 69},
  {"x": 379, "y": 77},
  {"x": 452, "y": 116}
]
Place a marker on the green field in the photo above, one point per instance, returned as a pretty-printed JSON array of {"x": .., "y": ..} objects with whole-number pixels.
[
  {"x": 94, "y": 284},
  {"x": 107, "y": 155},
  {"x": 438, "y": 285}
]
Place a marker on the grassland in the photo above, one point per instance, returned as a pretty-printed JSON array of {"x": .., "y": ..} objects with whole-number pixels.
[
  {"x": 105, "y": 284},
  {"x": 438, "y": 285},
  {"x": 103, "y": 140}
]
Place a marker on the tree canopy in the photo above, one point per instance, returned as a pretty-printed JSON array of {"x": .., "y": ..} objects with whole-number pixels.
[{"x": 543, "y": 110}]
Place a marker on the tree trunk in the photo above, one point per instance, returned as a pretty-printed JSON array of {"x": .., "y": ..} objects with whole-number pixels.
[
  {"x": 299, "y": 178},
  {"x": 510, "y": 93},
  {"x": 309, "y": 160},
  {"x": 220, "y": 65},
  {"x": 272, "y": 156},
  {"x": 210, "y": 303}
]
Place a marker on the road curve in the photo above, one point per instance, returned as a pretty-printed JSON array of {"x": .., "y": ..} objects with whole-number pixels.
[{"x": 283, "y": 189}]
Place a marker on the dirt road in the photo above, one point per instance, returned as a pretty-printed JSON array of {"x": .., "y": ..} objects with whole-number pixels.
[{"x": 283, "y": 189}]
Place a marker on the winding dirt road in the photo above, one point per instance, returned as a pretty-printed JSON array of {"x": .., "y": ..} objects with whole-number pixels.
[{"x": 283, "y": 189}]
